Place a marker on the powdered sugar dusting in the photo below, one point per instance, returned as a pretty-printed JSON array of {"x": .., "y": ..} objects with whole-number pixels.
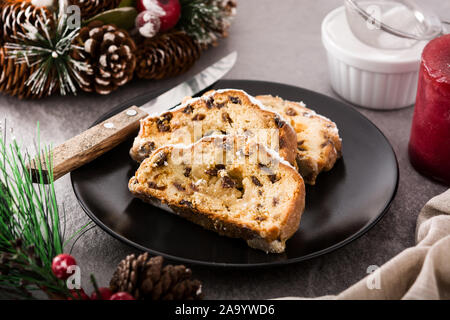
[
  {"x": 277, "y": 156},
  {"x": 181, "y": 106},
  {"x": 312, "y": 113},
  {"x": 274, "y": 154},
  {"x": 252, "y": 99}
]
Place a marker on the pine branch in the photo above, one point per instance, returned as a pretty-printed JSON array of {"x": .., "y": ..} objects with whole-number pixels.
[
  {"x": 30, "y": 227},
  {"x": 206, "y": 20},
  {"x": 49, "y": 48}
]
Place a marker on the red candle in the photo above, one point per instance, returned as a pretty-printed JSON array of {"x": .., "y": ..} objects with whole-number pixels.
[{"x": 429, "y": 146}]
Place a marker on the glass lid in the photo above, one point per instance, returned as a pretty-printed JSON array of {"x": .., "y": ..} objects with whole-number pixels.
[{"x": 392, "y": 24}]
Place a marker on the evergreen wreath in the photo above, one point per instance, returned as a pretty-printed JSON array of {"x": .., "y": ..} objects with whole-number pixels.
[{"x": 39, "y": 49}]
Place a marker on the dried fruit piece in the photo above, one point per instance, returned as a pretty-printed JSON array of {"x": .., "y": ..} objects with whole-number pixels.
[
  {"x": 211, "y": 172},
  {"x": 199, "y": 117},
  {"x": 235, "y": 100},
  {"x": 155, "y": 186},
  {"x": 163, "y": 122},
  {"x": 273, "y": 178},
  {"x": 187, "y": 171},
  {"x": 279, "y": 122},
  {"x": 161, "y": 159},
  {"x": 275, "y": 201},
  {"x": 148, "y": 147},
  {"x": 178, "y": 186},
  {"x": 186, "y": 203},
  {"x": 290, "y": 112},
  {"x": 227, "y": 182},
  {"x": 226, "y": 117},
  {"x": 256, "y": 181},
  {"x": 188, "y": 109},
  {"x": 210, "y": 103}
]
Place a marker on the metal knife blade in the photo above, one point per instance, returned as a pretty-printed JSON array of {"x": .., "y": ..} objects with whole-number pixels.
[{"x": 199, "y": 82}]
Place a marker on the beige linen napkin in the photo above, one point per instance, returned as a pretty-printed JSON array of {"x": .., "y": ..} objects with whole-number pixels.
[{"x": 420, "y": 272}]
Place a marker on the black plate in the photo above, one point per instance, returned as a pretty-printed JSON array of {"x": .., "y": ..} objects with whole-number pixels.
[{"x": 345, "y": 203}]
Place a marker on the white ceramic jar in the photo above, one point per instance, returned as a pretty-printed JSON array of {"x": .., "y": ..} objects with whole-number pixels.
[{"x": 367, "y": 76}]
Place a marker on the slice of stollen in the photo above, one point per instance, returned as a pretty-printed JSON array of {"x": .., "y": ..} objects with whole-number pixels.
[
  {"x": 318, "y": 142},
  {"x": 227, "y": 184},
  {"x": 219, "y": 112}
]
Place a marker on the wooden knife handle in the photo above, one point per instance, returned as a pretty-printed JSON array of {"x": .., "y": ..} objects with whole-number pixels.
[{"x": 93, "y": 142}]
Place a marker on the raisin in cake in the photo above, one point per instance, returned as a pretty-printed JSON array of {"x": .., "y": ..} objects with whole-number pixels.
[
  {"x": 318, "y": 142},
  {"x": 218, "y": 112},
  {"x": 227, "y": 184}
]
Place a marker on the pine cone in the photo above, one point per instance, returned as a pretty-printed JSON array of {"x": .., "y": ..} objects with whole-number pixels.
[
  {"x": 90, "y": 8},
  {"x": 13, "y": 77},
  {"x": 110, "y": 52},
  {"x": 14, "y": 14},
  {"x": 166, "y": 55},
  {"x": 146, "y": 279}
]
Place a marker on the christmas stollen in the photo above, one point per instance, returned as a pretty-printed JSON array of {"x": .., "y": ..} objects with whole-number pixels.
[
  {"x": 318, "y": 142},
  {"x": 226, "y": 111},
  {"x": 227, "y": 184}
]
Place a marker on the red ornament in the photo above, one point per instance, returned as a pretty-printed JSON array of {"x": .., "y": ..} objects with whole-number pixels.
[
  {"x": 172, "y": 9},
  {"x": 78, "y": 294},
  {"x": 122, "y": 296},
  {"x": 60, "y": 264},
  {"x": 105, "y": 294}
]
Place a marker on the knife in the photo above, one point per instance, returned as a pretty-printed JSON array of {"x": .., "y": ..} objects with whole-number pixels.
[{"x": 106, "y": 135}]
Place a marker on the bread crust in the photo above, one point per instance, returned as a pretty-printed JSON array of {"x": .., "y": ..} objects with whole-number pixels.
[
  {"x": 270, "y": 239},
  {"x": 287, "y": 135},
  {"x": 330, "y": 145}
]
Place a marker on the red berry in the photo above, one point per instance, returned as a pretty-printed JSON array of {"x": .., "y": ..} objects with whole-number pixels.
[
  {"x": 172, "y": 15},
  {"x": 78, "y": 294},
  {"x": 148, "y": 24},
  {"x": 60, "y": 264},
  {"x": 105, "y": 294},
  {"x": 168, "y": 11},
  {"x": 121, "y": 296}
]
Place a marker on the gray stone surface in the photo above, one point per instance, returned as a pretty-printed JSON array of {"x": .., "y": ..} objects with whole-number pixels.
[{"x": 277, "y": 41}]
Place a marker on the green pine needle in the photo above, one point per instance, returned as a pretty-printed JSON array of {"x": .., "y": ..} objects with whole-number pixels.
[
  {"x": 28, "y": 212},
  {"x": 49, "y": 49}
]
